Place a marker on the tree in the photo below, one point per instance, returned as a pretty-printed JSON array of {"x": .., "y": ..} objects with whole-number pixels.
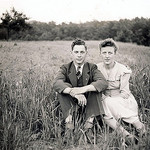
[
  {"x": 141, "y": 31},
  {"x": 3, "y": 33},
  {"x": 14, "y": 21}
]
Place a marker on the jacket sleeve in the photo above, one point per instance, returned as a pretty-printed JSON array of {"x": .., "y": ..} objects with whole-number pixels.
[
  {"x": 60, "y": 83},
  {"x": 99, "y": 81}
]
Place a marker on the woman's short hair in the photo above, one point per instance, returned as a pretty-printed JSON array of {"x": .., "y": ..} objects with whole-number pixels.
[
  {"x": 78, "y": 42},
  {"x": 108, "y": 42}
]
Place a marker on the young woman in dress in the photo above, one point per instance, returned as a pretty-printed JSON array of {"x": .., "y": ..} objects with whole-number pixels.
[{"x": 118, "y": 101}]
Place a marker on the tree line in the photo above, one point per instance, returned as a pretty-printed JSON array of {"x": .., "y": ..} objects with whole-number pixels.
[{"x": 14, "y": 26}]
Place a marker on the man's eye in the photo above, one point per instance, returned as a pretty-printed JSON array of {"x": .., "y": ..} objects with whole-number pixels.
[{"x": 110, "y": 53}]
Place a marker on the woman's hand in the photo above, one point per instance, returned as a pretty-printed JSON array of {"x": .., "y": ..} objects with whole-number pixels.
[{"x": 124, "y": 95}]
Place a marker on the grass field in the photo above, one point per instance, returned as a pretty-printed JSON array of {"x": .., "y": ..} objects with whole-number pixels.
[{"x": 30, "y": 118}]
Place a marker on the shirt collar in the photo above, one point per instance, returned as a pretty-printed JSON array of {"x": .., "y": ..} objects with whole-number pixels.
[{"x": 81, "y": 69}]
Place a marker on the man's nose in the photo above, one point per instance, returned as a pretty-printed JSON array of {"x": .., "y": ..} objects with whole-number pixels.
[{"x": 79, "y": 54}]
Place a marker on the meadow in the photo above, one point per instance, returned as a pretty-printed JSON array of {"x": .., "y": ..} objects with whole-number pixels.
[{"x": 30, "y": 115}]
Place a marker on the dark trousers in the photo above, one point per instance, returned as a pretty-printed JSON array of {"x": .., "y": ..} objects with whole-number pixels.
[{"x": 93, "y": 108}]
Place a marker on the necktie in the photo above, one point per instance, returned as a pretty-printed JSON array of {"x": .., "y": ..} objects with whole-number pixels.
[{"x": 78, "y": 72}]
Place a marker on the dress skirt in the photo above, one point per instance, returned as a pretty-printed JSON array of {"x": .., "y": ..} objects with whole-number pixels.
[{"x": 120, "y": 108}]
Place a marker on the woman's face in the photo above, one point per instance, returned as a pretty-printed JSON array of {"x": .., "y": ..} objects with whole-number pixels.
[{"x": 108, "y": 55}]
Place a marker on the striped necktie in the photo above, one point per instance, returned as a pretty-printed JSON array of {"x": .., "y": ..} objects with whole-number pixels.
[{"x": 78, "y": 72}]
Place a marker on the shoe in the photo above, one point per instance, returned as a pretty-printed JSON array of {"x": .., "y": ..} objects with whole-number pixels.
[
  {"x": 141, "y": 131},
  {"x": 131, "y": 140}
]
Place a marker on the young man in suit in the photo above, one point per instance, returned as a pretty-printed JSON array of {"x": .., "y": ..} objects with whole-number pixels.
[{"x": 79, "y": 85}]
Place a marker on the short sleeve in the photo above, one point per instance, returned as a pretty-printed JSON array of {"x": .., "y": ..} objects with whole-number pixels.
[{"x": 125, "y": 70}]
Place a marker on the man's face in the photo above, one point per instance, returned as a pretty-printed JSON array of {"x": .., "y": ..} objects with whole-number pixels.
[
  {"x": 79, "y": 54},
  {"x": 108, "y": 55}
]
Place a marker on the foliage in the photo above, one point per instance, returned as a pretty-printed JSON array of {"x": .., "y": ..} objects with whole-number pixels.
[
  {"x": 136, "y": 30},
  {"x": 14, "y": 21}
]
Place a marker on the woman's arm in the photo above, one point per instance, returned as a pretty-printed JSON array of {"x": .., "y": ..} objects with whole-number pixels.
[{"x": 124, "y": 85}]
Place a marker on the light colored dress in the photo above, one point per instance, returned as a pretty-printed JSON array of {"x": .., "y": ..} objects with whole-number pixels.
[{"x": 118, "y": 101}]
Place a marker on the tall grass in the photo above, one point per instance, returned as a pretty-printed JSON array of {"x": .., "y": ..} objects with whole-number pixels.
[{"x": 30, "y": 115}]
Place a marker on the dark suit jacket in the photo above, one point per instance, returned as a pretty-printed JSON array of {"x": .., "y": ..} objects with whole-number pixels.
[{"x": 66, "y": 77}]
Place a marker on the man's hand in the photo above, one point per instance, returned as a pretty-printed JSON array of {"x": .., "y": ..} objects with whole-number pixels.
[{"x": 82, "y": 101}]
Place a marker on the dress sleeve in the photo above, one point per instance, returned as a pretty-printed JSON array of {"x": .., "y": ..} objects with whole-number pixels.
[{"x": 124, "y": 82}]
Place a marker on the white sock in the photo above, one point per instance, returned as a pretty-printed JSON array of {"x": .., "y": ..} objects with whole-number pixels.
[
  {"x": 69, "y": 118},
  {"x": 90, "y": 119}
]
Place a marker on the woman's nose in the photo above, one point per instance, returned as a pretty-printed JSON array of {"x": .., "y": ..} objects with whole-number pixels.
[{"x": 107, "y": 55}]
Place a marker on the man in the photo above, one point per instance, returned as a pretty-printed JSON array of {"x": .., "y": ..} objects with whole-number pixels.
[{"x": 79, "y": 85}]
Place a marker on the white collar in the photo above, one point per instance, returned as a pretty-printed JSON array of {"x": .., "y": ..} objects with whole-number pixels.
[{"x": 81, "y": 69}]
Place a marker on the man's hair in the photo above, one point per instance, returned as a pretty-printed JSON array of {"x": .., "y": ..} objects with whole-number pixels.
[
  {"x": 78, "y": 42},
  {"x": 108, "y": 42}
]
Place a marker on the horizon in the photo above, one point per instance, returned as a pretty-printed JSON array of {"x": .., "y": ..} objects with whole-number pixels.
[{"x": 30, "y": 21}]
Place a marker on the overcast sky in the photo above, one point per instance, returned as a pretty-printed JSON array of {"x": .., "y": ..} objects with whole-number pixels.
[{"x": 77, "y": 11}]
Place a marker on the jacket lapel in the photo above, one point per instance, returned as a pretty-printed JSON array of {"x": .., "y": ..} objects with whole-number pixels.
[
  {"x": 72, "y": 75},
  {"x": 85, "y": 74}
]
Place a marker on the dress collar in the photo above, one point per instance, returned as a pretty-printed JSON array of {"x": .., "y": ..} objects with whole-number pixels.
[{"x": 112, "y": 72}]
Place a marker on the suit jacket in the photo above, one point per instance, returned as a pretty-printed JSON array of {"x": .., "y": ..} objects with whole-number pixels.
[{"x": 66, "y": 77}]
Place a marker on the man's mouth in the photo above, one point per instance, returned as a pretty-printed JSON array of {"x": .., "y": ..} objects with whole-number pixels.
[{"x": 79, "y": 59}]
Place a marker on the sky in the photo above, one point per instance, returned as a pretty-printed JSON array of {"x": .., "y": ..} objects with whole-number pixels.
[{"x": 78, "y": 11}]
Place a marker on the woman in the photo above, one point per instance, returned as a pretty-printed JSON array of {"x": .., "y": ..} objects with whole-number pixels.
[{"x": 118, "y": 101}]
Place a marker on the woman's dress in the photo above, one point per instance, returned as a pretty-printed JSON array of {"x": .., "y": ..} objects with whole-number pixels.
[{"x": 118, "y": 101}]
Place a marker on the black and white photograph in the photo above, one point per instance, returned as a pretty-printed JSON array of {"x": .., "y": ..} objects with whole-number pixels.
[{"x": 74, "y": 74}]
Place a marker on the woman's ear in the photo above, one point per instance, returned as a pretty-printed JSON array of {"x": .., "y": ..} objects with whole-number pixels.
[{"x": 100, "y": 53}]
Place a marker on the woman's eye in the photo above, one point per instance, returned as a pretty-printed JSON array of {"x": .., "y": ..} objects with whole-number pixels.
[{"x": 82, "y": 52}]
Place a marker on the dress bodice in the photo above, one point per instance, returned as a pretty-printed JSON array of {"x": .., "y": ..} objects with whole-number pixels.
[{"x": 115, "y": 78}]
